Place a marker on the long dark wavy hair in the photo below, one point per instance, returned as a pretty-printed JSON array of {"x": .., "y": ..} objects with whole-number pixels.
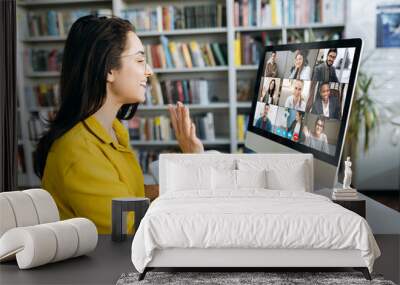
[{"x": 93, "y": 47}]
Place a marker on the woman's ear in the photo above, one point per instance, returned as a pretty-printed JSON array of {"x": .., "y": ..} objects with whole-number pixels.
[{"x": 111, "y": 76}]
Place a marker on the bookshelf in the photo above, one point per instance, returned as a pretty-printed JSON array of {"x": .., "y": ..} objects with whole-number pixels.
[{"x": 229, "y": 105}]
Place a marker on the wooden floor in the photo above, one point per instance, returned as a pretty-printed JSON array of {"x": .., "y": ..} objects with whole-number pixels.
[{"x": 390, "y": 198}]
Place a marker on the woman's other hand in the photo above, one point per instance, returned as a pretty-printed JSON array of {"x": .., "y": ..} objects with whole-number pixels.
[{"x": 185, "y": 130}]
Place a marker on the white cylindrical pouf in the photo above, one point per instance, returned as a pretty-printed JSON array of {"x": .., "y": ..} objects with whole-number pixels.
[
  {"x": 45, "y": 206},
  {"x": 67, "y": 239},
  {"x": 87, "y": 235},
  {"x": 34, "y": 246},
  {"x": 23, "y": 208},
  {"x": 7, "y": 217}
]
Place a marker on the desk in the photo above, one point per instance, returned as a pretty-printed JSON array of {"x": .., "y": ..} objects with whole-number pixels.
[{"x": 104, "y": 265}]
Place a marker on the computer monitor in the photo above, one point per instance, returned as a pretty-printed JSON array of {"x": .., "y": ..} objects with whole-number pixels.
[{"x": 302, "y": 102}]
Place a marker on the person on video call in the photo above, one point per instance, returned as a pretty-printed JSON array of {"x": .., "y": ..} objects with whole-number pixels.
[
  {"x": 271, "y": 70},
  {"x": 296, "y": 101},
  {"x": 268, "y": 96},
  {"x": 84, "y": 159},
  {"x": 296, "y": 127},
  {"x": 264, "y": 122},
  {"x": 325, "y": 104},
  {"x": 300, "y": 69},
  {"x": 325, "y": 71},
  {"x": 317, "y": 139}
]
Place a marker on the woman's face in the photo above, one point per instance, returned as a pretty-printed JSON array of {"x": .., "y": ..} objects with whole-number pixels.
[
  {"x": 298, "y": 86},
  {"x": 298, "y": 61},
  {"x": 298, "y": 117},
  {"x": 325, "y": 92},
  {"x": 272, "y": 85},
  {"x": 319, "y": 127},
  {"x": 128, "y": 83}
]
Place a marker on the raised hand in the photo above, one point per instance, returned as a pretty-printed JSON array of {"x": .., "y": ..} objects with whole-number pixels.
[{"x": 185, "y": 130}]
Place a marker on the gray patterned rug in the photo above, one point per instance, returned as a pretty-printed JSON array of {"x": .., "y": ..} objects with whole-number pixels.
[{"x": 230, "y": 278}]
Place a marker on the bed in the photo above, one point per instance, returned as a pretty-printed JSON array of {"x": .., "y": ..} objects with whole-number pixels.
[{"x": 246, "y": 211}]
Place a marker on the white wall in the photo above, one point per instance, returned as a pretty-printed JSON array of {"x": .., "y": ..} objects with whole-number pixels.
[{"x": 380, "y": 167}]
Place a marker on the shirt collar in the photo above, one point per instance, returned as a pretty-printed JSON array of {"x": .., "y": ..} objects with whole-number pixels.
[{"x": 99, "y": 131}]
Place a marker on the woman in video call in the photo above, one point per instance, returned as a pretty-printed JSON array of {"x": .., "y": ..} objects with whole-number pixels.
[
  {"x": 325, "y": 104},
  {"x": 269, "y": 94},
  {"x": 296, "y": 126},
  {"x": 300, "y": 69},
  {"x": 316, "y": 139},
  {"x": 85, "y": 159},
  {"x": 296, "y": 100}
]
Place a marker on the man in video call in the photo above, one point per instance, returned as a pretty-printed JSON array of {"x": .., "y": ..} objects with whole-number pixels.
[
  {"x": 264, "y": 122},
  {"x": 325, "y": 71},
  {"x": 325, "y": 104},
  {"x": 271, "y": 69}
]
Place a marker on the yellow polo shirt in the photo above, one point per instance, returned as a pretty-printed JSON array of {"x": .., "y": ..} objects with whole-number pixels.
[{"x": 85, "y": 169}]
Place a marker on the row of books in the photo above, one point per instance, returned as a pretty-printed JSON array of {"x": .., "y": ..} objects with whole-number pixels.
[
  {"x": 302, "y": 12},
  {"x": 262, "y": 13},
  {"x": 171, "y": 17},
  {"x": 42, "y": 95},
  {"x": 159, "y": 128},
  {"x": 38, "y": 123},
  {"x": 241, "y": 126},
  {"x": 171, "y": 54},
  {"x": 43, "y": 59},
  {"x": 249, "y": 47},
  {"x": 57, "y": 23},
  {"x": 194, "y": 91}
]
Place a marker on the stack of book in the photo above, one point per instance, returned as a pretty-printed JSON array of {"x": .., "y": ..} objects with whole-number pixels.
[
  {"x": 158, "y": 128},
  {"x": 57, "y": 23},
  {"x": 167, "y": 18},
  {"x": 43, "y": 59},
  {"x": 42, "y": 95},
  {"x": 263, "y": 13},
  {"x": 344, "y": 194},
  {"x": 190, "y": 91},
  {"x": 242, "y": 121},
  {"x": 170, "y": 54},
  {"x": 249, "y": 47}
]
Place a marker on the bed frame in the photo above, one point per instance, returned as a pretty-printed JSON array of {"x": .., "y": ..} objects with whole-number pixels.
[{"x": 242, "y": 259}]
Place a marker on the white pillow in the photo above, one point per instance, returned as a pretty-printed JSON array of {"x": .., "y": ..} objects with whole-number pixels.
[
  {"x": 251, "y": 178},
  {"x": 223, "y": 179},
  {"x": 294, "y": 179},
  {"x": 188, "y": 177}
]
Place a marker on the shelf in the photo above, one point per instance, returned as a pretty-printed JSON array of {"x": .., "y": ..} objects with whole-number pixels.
[
  {"x": 247, "y": 67},
  {"x": 175, "y": 143},
  {"x": 257, "y": 29},
  {"x": 211, "y": 106},
  {"x": 185, "y": 32},
  {"x": 41, "y": 108},
  {"x": 43, "y": 74},
  {"x": 244, "y": 104},
  {"x": 34, "y": 3},
  {"x": 314, "y": 26},
  {"x": 193, "y": 69},
  {"x": 40, "y": 39}
]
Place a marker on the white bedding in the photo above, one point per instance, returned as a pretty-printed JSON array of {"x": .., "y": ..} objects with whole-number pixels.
[{"x": 252, "y": 218}]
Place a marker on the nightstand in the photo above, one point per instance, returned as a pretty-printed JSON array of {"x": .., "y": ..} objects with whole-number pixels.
[{"x": 357, "y": 206}]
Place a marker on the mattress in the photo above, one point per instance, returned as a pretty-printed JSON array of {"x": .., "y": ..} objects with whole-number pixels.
[{"x": 251, "y": 219}]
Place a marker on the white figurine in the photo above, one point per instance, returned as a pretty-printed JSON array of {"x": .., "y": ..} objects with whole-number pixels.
[{"x": 347, "y": 174}]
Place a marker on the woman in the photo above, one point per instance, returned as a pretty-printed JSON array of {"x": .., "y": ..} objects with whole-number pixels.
[
  {"x": 300, "y": 70},
  {"x": 296, "y": 100},
  {"x": 85, "y": 159},
  {"x": 325, "y": 104},
  {"x": 296, "y": 127},
  {"x": 268, "y": 96},
  {"x": 317, "y": 139}
]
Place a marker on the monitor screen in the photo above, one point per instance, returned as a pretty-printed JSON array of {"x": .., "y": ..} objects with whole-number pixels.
[{"x": 303, "y": 95}]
